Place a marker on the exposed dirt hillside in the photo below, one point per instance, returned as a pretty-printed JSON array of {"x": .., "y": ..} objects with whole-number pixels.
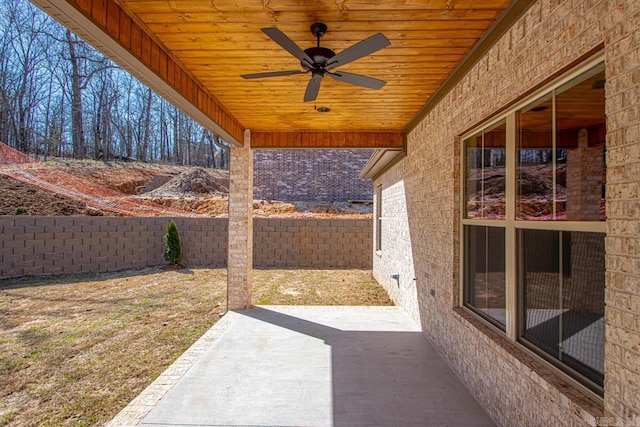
[
  {"x": 17, "y": 198},
  {"x": 87, "y": 187}
]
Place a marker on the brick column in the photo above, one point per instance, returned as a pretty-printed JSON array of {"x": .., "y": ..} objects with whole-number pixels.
[{"x": 240, "y": 252}]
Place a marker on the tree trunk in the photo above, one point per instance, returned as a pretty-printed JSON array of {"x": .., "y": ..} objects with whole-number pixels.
[
  {"x": 146, "y": 136},
  {"x": 97, "y": 138},
  {"x": 77, "y": 131}
]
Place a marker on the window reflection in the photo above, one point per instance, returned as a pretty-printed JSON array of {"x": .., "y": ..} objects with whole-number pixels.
[
  {"x": 560, "y": 157},
  {"x": 485, "y": 173}
]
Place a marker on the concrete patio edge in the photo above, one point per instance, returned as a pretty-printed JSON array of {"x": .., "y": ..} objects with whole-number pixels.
[
  {"x": 133, "y": 414},
  {"x": 138, "y": 408}
]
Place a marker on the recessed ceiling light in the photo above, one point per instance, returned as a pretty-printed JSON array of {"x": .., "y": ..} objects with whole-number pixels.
[{"x": 323, "y": 109}]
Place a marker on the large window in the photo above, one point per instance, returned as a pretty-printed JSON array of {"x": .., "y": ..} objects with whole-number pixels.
[{"x": 532, "y": 224}]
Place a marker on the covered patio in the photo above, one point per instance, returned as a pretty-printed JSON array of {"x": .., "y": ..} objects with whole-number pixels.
[
  {"x": 452, "y": 72},
  {"x": 312, "y": 366},
  {"x": 195, "y": 52}
]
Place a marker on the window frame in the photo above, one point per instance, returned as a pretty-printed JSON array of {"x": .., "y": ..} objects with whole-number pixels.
[
  {"x": 513, "y": 298},
  {"x": 378, "y": 218}
]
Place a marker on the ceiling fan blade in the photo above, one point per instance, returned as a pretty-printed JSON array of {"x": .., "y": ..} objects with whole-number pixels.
[
  {"x": 287, "y": 44},
  {"x": 271, "y": 74},
  {"x": 358, "y": 50},
  {"x": 358, "y": 80},
  {"x": 313, "y": 87}
]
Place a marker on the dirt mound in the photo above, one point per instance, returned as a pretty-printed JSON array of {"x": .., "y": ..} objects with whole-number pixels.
[
  {"x": 10, "y": 156},
  {"x": 123, "y": 180},
  {"x": 194, "y": 182}
]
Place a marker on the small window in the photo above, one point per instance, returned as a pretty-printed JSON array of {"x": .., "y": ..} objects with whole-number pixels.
[
  {"x": 378, "y": 218},
  {"x": 560, "y": 157}
]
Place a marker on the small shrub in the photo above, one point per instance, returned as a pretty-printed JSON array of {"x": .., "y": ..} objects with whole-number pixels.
[
  {"x": 21, "y": 210},
  {"x": 172, "y": 251}
]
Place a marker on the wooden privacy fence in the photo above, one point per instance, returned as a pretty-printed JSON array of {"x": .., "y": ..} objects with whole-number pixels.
[{"x": 34, "y": 246}]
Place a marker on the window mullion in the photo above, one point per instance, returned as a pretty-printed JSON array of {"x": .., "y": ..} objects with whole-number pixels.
[
  {"x": 511, "y": 297},
  {"x": 554, "y": 152}
]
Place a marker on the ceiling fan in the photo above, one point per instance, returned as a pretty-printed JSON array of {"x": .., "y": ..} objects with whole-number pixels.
[{"x": 320, "y": 60}]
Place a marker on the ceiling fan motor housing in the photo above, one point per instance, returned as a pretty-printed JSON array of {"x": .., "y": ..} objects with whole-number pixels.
[{"x": 319, "y": 55}]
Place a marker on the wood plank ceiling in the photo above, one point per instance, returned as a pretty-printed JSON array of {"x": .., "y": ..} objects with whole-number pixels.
[{"x": 216, "y": 41}]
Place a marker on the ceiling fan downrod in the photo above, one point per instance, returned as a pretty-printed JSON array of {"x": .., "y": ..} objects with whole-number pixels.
[{"x": 318, "y": 29}]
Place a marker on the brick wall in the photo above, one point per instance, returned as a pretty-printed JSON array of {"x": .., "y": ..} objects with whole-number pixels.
[
  {"x": 312, "y": 243},
  {"x": 515, "y": 388},
  {"x": 396, "y": 237},
  {"x": 311, "y": 175},
  {"x": 65, "y": 245},
  {"x": 621, "y": 22}
]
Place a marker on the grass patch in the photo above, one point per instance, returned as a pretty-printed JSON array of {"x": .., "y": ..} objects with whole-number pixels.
[
  {"x": 317, "y": 287},
  {"x": 75, "y": 350}
]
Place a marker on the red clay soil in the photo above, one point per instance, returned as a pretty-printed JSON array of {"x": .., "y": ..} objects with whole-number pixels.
[
  {"x": 125, "y": 181},
  {"x": 98, "y": 197},
  {"x": 9, "y": 156},
  {"x": 94, "y": 195}
]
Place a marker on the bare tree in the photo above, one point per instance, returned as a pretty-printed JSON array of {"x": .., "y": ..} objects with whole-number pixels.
[
  {"x": 104, "y": 94},
  {"x": 60, "y": 96},
  {"x": 220, "y": 151},
  {"x": 85, "y": 63},
  {"x": 22, "y": 77},
  {"x": 145, "y": 126}
]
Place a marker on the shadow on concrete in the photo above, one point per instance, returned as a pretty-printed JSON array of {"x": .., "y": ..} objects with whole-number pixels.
[
  {"x": 320, "y": 366},
  {"x": 386, "y": 377}
]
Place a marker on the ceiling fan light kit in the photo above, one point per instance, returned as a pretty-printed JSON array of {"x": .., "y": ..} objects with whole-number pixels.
[{"x": 319, "y": 61}]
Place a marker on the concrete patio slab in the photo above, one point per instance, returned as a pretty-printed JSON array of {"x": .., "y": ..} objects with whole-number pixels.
[{"x": 310, "y": 366}]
